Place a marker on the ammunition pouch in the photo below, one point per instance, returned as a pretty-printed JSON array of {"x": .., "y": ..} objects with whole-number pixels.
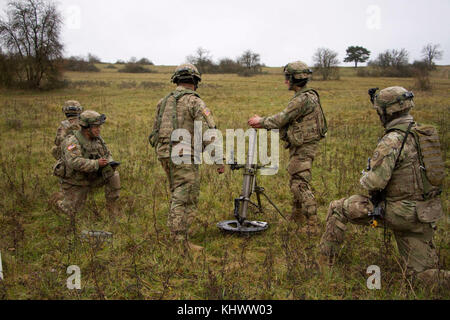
[
  {"x": 59, "y": 169},
  {"x": 295, "y": 135},
  {"x": 429, "y": 211}
]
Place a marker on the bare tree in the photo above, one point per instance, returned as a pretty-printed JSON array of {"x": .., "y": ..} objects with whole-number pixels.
[
  {"x": 392, "y": 58},
  {"x": 392, "y": 63},
  {"x": 202, "y": 60},
  {"x": 326, "y": 62},
  {"x": 431, "y": 53},
  {"x": 251, "y": 61},
  {"x": 227, "y": 65},
  {"x": 31, "y": 36}
]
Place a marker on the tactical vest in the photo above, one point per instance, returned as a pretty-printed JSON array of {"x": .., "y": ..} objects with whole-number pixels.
[
  {"x": 420, "y": 176},
  {"x": 167, "y": 118},
  {"x": 311, "y": 127}
]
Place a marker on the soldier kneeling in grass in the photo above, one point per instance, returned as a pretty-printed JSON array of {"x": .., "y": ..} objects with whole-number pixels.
[
  {"x": 87, "y": 163},
  {"x": 404, "y": 179}
]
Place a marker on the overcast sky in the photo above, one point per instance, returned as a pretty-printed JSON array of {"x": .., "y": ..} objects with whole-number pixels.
[{"x": 279, "y": 30}]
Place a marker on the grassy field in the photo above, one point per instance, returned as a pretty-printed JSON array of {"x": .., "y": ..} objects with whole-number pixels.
[{"x": 37, "y": 246}]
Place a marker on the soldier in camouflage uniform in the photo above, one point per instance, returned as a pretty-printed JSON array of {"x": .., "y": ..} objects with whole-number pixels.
[
  {"x": 405, "y": 183},
  {"x": 72, "y": 110},
  {"x": 86, "y": 164},
  {"x": 179, "y": 110},
  {"x": 302, "y": 125}
]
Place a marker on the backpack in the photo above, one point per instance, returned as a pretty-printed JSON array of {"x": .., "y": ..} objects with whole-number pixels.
[
  {"x": 154, "y": 136},
  {"x": 432, "y": 167}
]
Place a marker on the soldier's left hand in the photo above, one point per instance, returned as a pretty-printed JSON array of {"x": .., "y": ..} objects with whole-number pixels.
[{"x": 255, "y": 122}]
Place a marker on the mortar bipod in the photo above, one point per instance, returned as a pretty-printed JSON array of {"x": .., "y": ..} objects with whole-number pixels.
[{"x": 241, "y": 204}]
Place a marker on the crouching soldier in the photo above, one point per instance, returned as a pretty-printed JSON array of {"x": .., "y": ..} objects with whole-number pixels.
[
  {"x": 87, "y": 163},
  {"x": 404, "y": 180}
]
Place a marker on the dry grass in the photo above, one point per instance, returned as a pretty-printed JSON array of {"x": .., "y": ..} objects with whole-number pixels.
[{"x": 37, "y": 245}]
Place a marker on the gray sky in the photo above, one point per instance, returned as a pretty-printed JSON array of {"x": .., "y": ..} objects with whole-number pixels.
[{"x": 280, "y": 30}]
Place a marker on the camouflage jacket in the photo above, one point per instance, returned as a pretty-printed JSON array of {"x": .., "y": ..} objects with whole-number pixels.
[
  {"x": 302, "y": 122},
  {"x": 190, "y": 108},
  {"x": 81, "y": 156},
  {"x": 66, "y": 127},
  {"x": 402, "y": 183}
]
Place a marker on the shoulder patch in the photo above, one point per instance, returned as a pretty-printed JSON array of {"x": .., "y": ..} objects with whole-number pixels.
[{"x": 206, "y": 112}]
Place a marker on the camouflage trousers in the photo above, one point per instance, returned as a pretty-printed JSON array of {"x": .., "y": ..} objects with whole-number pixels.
[
  {"x": 184, "y": 182},
  {"x": 414, "y": 239},
  {"x": 300, "y": 166},
  {"x": 74, "y": 196}
]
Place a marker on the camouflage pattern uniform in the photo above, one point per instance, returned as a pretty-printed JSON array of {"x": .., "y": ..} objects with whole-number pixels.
[
  {"x": 410, "y": 214},
  {"x": 72, "y": 110},
  {"x": 184, "y": 179},
  {"x": 81, "y": 172},
  {"x": 302, "y": 126}
]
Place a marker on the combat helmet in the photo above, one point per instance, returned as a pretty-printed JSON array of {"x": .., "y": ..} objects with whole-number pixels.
[
  {"x": 298, "y": 72},
  {"x": 72, "y": 109},
  {"x": 392, "y": 100},
  {"x": 186, "y": 72},
  {"x": 92, "y": 118}
]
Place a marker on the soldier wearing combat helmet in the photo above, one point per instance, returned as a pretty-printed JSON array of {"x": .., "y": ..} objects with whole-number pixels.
[
  {"x": 404, "y": 179},
  {"x": 302, "y": 125},
  {"x": 179, "y": 110},
  {"x": 72, "y": 110},
  {"x": 87, "y": 163}
]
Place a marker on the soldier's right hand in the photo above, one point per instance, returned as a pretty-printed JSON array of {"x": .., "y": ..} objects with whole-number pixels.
[
  {"x": 221, "y": 169},
  {"x": 102, "y": 163},
  {"x": 255, "y": 122}
]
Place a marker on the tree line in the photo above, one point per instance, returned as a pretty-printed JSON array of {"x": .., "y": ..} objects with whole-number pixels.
[
  {"x": 31, "y": 54},
  {"x": 390, "y": 63},
  {"x": 247, "y": 64}
]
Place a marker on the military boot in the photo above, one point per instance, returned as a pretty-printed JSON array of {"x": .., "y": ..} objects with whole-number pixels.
[
  {"x": 183, "y": 240},
  {"x": 297, "y": 214},
  {"x": 112, "y": 207},
  {"x": 312, "y": 226}
]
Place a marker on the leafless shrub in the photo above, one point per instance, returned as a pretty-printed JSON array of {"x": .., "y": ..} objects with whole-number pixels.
[
  {"x": 421, "y": 75},
  {"x": 391, "y": 63},
  {"x": 135, "y": 68},
  {"x": 326, "y": 63},
  {"x": 79, "y": 64}
]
